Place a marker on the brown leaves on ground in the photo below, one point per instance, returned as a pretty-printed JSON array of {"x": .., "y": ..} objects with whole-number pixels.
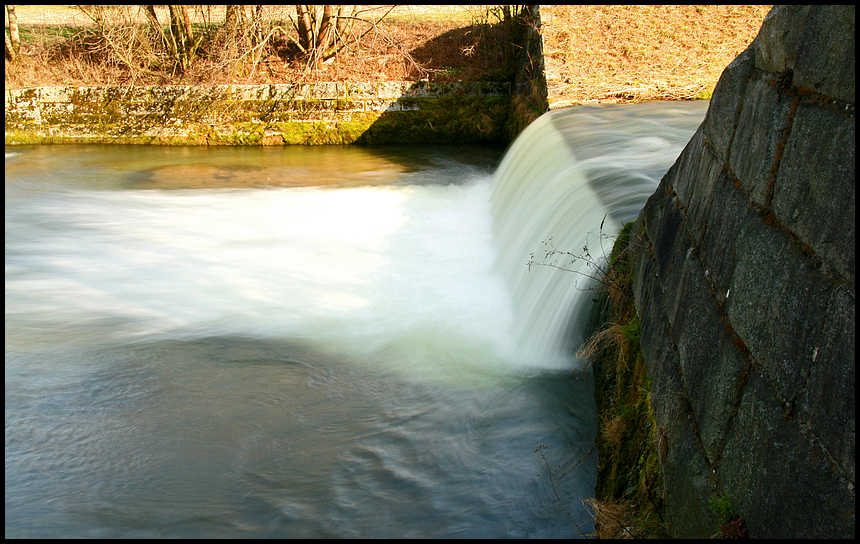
[
  {"x": 390, "y": 43},
  {"x": 643, "y": 52},
  {"x": 618, "y": 53}
]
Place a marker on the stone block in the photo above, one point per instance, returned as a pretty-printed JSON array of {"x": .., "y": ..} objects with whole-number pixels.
[
  {"x": 683, "y": 175},
  {"x": 392, "y": 90},
  {"x": 664, "y": 238},
  {"x": 251, "y": 92},
  {"x": 777, "y": 479},
  {"x": 827, "y": 404},
  {"x": 490, "y": 88},
  {"x": 55, "y": 94},
  {"x": 652, "y": 212},
  {"x": 301, "y": 91},
  {"x": 746, "y": 293},
  {"x": 776, "y": 43},
  {"x": 361, "y": 91},
  {"x": 668, "y": 397},
  {"x": 728, "y": 208},
  {"x": 778, "y": 302},
  {"x": 381, "y": 105},
  {"x": 762, "y": 125},
  {"x": 825, "y": 52},
  {"x": 328, "y": 90},
  {"x": 649, "y": 308},
  {"x": 169, "y": 93},
  {"x": 673, "y": 278},
  {"x": 18, "y": 97},
  {"x": 643, "y": 267},
  {"x": 815, "y": 185},
  {"x": 128, "y": 95},
  {"x": 686, "y": 480},
  {"x": 694, "y": 177},
  {"x": 434, "y": 89},
  {"x": 711, "y": 366},
  {"x": 720, "y": 121},
  {"x": 660, "y": 357}
]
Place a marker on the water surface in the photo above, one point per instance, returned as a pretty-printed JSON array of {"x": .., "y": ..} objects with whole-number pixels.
[
  {"x": 207, "y": 343},
  {"x": 310, "y": 341}
]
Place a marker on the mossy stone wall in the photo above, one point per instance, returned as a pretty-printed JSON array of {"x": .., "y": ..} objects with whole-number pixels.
[
  {"x": 300, "y": 114},
  {"x": 744, "y": 285}
]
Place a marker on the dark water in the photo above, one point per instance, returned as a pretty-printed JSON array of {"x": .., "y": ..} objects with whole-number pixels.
[{"x": 292, "y": 342}]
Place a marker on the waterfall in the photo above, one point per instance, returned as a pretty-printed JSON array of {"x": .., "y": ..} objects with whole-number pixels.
[
  {"x": 316, "y": 342},
  {"x": 569, "y": 181}
]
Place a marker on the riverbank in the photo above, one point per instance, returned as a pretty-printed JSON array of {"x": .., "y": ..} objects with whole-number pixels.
[
  {"x": 635, "y": 53},
  {"x": 629, "y": 494},
  {"x": 592, "y": 53},
  {"x": 444, "y": 74}
]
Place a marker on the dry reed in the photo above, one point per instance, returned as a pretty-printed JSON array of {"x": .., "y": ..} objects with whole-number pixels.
[{"x": 611, "y": 519}]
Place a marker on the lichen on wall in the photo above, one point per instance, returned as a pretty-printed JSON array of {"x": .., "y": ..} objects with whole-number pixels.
[
  {"x": 300, "y": 114},
  {"x": 745, "y": 290}
]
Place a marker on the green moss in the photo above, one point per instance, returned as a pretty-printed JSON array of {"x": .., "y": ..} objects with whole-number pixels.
[
  {"x": 629, "y": 466},
  {"x": 704, "y": 95},
  {"x": 25, "y": 137},
  {"x": 126, "y": 115},
  {"x": 722, "y": 508},
  {"x": 343, "y": 104},
  {"x": 351, "y": 131},
  {"x": 470, "y": 119}
]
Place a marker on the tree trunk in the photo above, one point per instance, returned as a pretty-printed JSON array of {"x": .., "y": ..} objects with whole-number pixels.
[
  {"x": 344, "y": 22},
  {"x": 149, "y": 10},
  {"x": 182, "y": 43},
  {"x": 324, "y": 37},
  {"x": 10, "y": 53},
  {"x": 13, "y": 42},
  {"x": 234, "y": 18},
  {"x": 305, "y": 28},
  {"x": 322, "y": 32},
  {"x": 150, "y": 14}
]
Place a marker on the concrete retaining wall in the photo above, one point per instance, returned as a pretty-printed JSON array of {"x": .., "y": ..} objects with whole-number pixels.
[{"x": 306, "y": 114}]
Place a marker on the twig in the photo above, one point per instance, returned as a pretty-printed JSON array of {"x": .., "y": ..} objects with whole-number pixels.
[
  {"x": 601, "y": 272},
  {"x": 578, "y": 462},
  {"x": 552, "y": 483}
]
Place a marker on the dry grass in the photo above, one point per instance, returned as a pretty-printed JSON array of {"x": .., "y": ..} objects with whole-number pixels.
[
  {"x": 611, "y": 519},
  {"x": 631, "y": 53},
  {"x": 610, "y": 337},
  {"x": 629, "y": 500},
  {"x": 612, "y": 430},
  {"x": 608, "y": 53}
]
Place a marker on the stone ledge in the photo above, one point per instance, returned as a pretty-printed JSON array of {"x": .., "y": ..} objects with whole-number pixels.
[{"x": 306, "y": 114}]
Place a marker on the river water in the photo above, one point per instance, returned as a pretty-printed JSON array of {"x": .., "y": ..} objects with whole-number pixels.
[{"x": 287, "y": 342}]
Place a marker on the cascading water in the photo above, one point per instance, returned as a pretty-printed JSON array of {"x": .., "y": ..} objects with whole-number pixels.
[
  {"x": 568, "y": 182},
  {"x": 308, "y": 342}
]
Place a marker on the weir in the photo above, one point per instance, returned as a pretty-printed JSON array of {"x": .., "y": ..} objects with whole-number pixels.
[
  {"x": 567, "y": 184},
  {"x": 309, "y": 341}
]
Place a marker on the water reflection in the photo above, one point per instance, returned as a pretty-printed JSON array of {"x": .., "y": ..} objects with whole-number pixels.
[{"x": 105, "y": 167}]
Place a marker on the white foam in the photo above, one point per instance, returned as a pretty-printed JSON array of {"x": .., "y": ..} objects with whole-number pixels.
[{"x": 568, "y": 173}]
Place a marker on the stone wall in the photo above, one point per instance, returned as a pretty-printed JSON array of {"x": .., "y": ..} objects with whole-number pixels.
[
  {"x": 306, "y": 114},
  {"x": 744, "y": 285},
  {"x": 529, "y": 95}
]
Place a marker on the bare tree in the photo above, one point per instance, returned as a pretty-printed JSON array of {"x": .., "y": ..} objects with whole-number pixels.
[
  {"x": 181, "y": 41},
  {"x": 168, "y": 45},
  {"x": 323, "y": 30},
  {"x": 12, "y": 41}
]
